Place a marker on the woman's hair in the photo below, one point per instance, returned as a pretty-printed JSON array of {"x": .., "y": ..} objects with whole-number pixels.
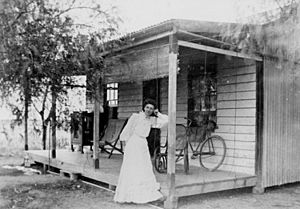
[{"x": 149, "y": 101}]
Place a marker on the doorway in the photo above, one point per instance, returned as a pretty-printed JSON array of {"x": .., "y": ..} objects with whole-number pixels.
[{"x": 151, "y": 90}]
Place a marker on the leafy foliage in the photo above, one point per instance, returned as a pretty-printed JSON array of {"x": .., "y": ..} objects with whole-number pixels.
[
  {"x": 271, "y": 33},
  {"x": 41, "y": 49}
]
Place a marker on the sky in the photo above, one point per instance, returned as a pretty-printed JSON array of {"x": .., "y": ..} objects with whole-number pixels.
[{"x": 138, "y": 14}]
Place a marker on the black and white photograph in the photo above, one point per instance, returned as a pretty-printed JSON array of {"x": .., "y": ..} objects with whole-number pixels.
[{"x": 149, "y": 104}]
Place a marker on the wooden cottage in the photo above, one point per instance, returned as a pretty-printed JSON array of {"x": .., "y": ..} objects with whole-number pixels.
[
  {"x": 169, "y": 62},
  {"x": 253, "y": 103}
]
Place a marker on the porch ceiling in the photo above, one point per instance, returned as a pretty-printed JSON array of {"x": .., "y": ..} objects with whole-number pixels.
[{"x": 147, "y": 56}]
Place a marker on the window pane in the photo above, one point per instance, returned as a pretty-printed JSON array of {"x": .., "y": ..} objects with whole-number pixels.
[{"x": 112, "y": 94}]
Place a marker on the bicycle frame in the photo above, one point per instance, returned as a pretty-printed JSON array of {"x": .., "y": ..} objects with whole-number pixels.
[
  {"x": 210, "y": 147},
  {"x": 199, "y": 141}
]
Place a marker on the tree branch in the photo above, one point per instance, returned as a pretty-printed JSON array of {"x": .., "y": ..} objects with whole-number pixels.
[
  {"x": 80, "y": 7},
  {"x": 35, "y": 107},
  {"x": 23, "y": 12}
]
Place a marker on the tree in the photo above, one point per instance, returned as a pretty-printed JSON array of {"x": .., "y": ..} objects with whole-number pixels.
[
  {"x": 41, "y": 49},
  {"x": 269, "y": 32}
]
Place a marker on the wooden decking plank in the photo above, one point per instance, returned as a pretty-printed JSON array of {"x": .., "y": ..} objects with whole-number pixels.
[{"x": 206, "y": 187}]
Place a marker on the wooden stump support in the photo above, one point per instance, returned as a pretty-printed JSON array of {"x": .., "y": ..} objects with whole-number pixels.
[{"x": 73, "y": 175}]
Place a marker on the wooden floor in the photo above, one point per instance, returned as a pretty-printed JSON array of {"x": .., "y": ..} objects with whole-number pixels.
[{"x": 196, "y": 182}]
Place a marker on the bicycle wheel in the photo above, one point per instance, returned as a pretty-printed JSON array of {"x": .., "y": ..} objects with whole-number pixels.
[
  {"x": 212, "y": 153},
  {"x": 160, "y": 163}
]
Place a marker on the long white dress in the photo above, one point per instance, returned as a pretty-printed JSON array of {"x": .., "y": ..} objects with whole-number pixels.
[{"x": 137, "y": 182}]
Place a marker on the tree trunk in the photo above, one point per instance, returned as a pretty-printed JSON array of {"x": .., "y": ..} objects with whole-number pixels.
[
  {"x": 44, "y": 136},
  {"x": 45, "y": 121},
  {"x": 27, "y": 96},
  {"x": 53, "y": 122},
  {"x": 26, "y": 123}
]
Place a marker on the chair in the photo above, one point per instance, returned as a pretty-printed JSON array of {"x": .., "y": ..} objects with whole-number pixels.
[
  {"x": 81, "y": 130},
  {"x": 160, "y": 158},
  {"x": 109, "y": 140}
]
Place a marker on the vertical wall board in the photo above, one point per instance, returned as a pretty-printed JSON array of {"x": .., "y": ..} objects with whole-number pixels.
[{"x": 281, "y": 142}]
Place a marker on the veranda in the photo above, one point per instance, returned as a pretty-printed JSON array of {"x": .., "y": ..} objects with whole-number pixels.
[
  {"x": 198, "y": 180},
  {"x": 176, "y": 54}
]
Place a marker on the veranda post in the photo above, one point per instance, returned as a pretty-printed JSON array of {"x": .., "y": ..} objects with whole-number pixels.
[{"x": 171, "y": 201}]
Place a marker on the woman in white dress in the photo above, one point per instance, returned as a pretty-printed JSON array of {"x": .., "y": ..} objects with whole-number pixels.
[{"x": 137, "y": 182}]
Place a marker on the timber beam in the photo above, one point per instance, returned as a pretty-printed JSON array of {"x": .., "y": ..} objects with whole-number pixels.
[{"x": 219, "y": 51}]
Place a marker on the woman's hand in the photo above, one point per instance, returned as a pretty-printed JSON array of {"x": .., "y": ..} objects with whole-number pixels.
[
  {"x": 123, "y": 144},
  {"x": 155, "y": 112}
]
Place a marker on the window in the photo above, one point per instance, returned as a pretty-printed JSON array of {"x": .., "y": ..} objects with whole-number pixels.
[
  {"x": 112, "y": 94},
  {"x": 202, "y": 102}
]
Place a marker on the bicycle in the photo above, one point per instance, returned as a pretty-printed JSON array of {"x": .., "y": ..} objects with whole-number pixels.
[{"x": 211, "y": 149}]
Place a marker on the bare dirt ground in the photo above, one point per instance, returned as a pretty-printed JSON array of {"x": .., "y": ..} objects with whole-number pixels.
[
  {"x": 51, "y": 191},
  {"x": 18, "y": 190}
]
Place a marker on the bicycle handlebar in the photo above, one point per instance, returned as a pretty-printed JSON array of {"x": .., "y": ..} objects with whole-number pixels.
[{"x": 189, "y": 121}]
